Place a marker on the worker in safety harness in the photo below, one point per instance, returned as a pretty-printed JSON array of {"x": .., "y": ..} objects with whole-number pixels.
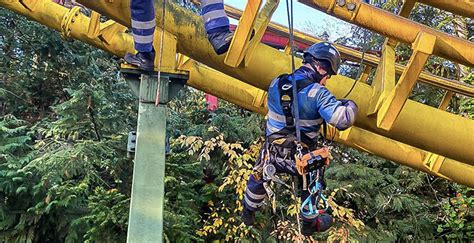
[
  {"x": 216, "y": 24},
  {"x": 282, "y": 153}
]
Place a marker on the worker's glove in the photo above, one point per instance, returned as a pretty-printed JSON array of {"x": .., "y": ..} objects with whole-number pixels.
[
  {"x": 347, "y": 102},
  {"x": 349, "y": 113}
]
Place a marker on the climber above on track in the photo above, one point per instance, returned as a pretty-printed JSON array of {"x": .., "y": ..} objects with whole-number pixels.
[
  {"x": 216, "y": 24},
  {"x": 316, "y": 105}
]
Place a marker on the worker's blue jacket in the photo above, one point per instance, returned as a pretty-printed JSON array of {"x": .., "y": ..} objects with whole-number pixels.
[{"x": 315, "y": 103}]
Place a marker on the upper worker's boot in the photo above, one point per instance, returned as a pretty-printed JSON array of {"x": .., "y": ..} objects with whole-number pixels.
[
  {"x": 221, "y": 41},
  {"x": 322, "y": 223},
  {"x": 248, "y": 217},
  {"x": 143, "y": 60}
]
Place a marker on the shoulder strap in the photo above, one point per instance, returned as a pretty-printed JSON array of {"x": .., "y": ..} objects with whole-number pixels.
[{"x": 285, "y": 87}]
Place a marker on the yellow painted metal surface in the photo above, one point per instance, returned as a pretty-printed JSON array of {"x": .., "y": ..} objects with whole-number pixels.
[
  {"x": 56, "y": 16},
  {"x": 369, "y": 59},
  {"x": 406, "y": 8},
  {"x": 384, "y": 80},
  {"x": 240, "y": 41},
  {"x": 459, "y": 7},
  {"x": 390, "y": 25},
  {"x": 393, "y": 104},
  {"x": 263, "y": 19},
  {"x": 245, "y": 95},
  {"x": 365, "y": 74},
  {"x": 414, "y": 126},
  {"x": 445, "y": 102},
  {"x": 252, "y": 98}
]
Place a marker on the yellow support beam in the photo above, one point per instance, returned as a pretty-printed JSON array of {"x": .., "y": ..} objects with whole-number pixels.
[
  {"x": 445, "y": 102},
  {"x": 356, "y": 56},
  {"x": 254, "y": 99},
  {"x": 405, "y": 11},
  {"x": 240, "y": 41},
  {"x": 73, "y": 24},
  {"x": 459, "y": 7},
  {"x": 94, "y": 25},
  {"x": 365, "y": 74},
  {"x": 393, "y": 104},
  {"x": 263, "y": 19},
  {"x": 384, "y": 80},
  {"x": 408, "y": 5},
  {"x": 396, "y": 27},
  {"x": 414, "y": 126}
]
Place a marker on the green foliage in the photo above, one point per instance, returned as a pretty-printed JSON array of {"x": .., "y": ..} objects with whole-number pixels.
[
  {"x": 466, "y": 106},
  {"x": 64, "y": 175},
  {"x": 458, "y": 216}
]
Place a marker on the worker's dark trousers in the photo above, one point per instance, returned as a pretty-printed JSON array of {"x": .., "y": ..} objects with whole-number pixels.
[
  {"x": 255, "y": 192},
  {"x": 143, "y": 24},
  {"x": 214, "y": 16}
]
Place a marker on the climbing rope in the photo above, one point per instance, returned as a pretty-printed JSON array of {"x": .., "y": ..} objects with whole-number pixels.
[
  {"x": 359, "y": 72},
  {"x": 289, "y": 12}
]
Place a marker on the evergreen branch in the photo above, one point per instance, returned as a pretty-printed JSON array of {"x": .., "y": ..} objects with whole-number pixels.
[
  {"x": 91, "y": 113},
  {"x": 17, "y": 96}
]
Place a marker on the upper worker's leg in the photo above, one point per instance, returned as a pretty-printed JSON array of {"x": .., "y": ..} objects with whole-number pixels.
[
  {"x": 216, "y": 24},
  {"x": 143, "y": 29}
]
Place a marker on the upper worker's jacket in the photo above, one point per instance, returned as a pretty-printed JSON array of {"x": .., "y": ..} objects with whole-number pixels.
[{"x": 315, "y": 104}]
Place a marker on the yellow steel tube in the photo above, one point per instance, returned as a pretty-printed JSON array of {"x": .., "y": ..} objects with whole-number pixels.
[
  {"x": 240, "y": 93},
  {"x": 388, "y": 24},
  {"x": 225, "y": 87},
  {"x": 459, "y": 7},
  {"x": 51, "y": 15},
  {"x": 417, "y": 125},
  {"x": 254, "y": 99},
  {"x": 369, "y": 59}
]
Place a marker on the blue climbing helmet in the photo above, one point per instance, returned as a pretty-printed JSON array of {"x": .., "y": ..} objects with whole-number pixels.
[{"x": 327, "y": 55}]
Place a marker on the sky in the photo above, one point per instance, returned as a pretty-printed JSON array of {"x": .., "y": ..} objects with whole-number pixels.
[{"x": 306, "y": 19}]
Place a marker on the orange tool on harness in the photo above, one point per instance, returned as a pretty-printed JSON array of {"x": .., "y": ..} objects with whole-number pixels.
[{"x": 312, "y": 160}]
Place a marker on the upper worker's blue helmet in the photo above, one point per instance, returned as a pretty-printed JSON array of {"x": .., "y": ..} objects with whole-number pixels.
[{"x": 327, "y": 52}]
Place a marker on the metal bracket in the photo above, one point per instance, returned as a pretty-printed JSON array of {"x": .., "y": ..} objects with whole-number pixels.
[
  {"x": 446, "y": 98},
  {"x": 94, "y": 25},
  {"x": 393, "y": 104},
  {"x": 434, "y": 162},
  {"x": 365, "y": 74},
  {"x": 168, "y": 90},
  {"x": 67, "y": 22},
  {"x": 131, "y": 144},
  {"x": 109, "y": 30},
  {"x": 240, "y": 41},
  {"x": 261, "y": 25},
  {"x": 384, "y": 80}
]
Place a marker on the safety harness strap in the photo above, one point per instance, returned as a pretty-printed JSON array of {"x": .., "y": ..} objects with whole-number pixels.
[{"x": 285, "y": 87}]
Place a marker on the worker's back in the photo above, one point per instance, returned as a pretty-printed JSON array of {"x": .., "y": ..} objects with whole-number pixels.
[{"x": 316, "y": 104}]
